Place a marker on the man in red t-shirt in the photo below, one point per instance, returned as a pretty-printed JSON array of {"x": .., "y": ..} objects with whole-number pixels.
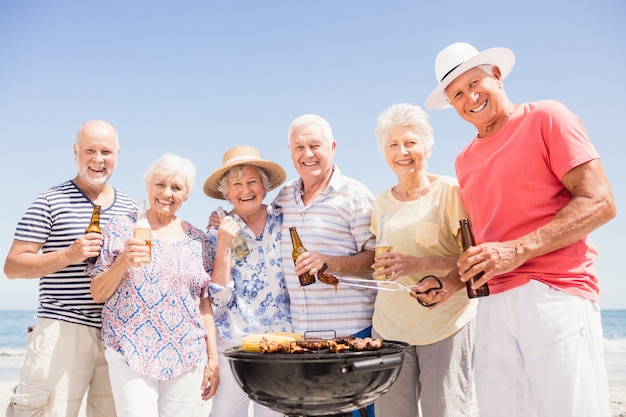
[{"x": 535, "y": 189}]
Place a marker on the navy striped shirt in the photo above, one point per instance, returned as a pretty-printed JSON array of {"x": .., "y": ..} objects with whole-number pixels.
[{"x": 56, "y": 219}]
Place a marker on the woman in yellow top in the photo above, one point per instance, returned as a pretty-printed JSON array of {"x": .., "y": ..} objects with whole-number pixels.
[{"x": 422, "y": 214}]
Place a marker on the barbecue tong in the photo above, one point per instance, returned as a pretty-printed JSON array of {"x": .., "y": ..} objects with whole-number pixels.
[{"x": 390, "y": 285}]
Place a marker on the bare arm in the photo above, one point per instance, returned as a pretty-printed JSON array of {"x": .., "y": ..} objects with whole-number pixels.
[
  {"x": 399, "y": 264},
  {"x": 210, "y": 379},
  {"x": 221, "y": 273},
  {"x": 25, "y": 261},
  {"x": 591, "y": 206},
  {"x": 358, "y": 264}
]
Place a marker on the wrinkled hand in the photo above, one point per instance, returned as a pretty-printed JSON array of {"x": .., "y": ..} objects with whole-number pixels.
[
  {"x": 396, "y": 265},
  {"x": 309, "y": 262},
  {"x": 135, "y": 248},
  {"x": 431, "y": 298},
  {"x": 228, "y": 229},
  {"x": 214, "y": 219},
  {"x": 494, "y": 258},
  {"x": 210, "y": 381},
  {"x": 86, "y": 246}
]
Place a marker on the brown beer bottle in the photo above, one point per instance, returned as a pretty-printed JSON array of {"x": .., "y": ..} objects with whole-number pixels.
[
  {"x": 306, "y": 278},
  {"x": 467, "y": 239},
  {"x": 94, "y": 227}
]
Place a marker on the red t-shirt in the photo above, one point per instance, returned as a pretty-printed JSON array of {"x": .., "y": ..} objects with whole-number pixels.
[{"x": 511, "y": 185}]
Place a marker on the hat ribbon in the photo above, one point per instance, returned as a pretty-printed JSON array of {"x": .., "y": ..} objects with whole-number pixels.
[{"x": 448, "y": 73}]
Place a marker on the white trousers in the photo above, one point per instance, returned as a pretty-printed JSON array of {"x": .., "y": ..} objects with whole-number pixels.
[
  {"x": 139, "y": 396},
  {"x": 230, "y": 400},
  {"x": 539, "y": 353}
]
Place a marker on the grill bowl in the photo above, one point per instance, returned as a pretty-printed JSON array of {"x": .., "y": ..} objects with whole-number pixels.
[{"x": 317, "y": 383}]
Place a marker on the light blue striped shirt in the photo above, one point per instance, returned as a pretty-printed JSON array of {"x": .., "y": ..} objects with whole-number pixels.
[{"x": 336, "y": 223}]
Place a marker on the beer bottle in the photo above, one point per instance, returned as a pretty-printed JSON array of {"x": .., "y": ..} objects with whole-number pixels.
[
  {"x": 94, "y": 227},
  {"x": 467, "y": 239},
  {"x": 239, "y": 245},
  {"x": 306, "y": 278},
  {"x": 142, "y": 231}
]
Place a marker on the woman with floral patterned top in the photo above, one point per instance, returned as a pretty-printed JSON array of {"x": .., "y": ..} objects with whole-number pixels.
[
  {"x": 253, "y": 297},
  {"x": 157, "y": 323}
]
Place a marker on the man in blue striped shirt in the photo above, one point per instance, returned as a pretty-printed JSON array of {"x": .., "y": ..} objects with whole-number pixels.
[
  {"x": 64, "y": 357},
  {"x": 332, "y": 215}
]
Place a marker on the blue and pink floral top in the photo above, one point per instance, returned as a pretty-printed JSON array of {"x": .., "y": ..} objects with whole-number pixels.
[
  {"x": 256, "y": 301},
  {"x": 153, "y": 318}
]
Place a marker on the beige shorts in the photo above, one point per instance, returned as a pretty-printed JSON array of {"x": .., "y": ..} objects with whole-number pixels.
[{"x": 63, "y": 360}]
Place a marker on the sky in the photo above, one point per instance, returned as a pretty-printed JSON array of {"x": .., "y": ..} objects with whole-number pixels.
[{"x": 198, "y": 77}]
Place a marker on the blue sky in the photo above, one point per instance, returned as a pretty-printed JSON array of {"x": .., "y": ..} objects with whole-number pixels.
[{"x": 198, "y": 77}]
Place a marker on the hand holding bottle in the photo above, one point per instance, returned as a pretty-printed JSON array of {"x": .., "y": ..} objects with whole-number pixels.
[
  {"x": 467, "y": 237},
  {"x": 239, "y": 245},
  {"x": 305, "y": 278},
  {"x": 227, "y": 231}
]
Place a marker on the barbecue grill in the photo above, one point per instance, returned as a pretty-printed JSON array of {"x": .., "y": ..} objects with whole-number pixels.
[{"x": 318, "y": 383}]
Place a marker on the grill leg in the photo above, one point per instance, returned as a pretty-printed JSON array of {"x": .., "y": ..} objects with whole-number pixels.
[{"x": 363, "y": 412}]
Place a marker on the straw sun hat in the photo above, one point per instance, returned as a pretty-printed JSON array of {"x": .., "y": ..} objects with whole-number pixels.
[
  {"x": 459, "y": 57},
  {"x": 243, "y": 155}
]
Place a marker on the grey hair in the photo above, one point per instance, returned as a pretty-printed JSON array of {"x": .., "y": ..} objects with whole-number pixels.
[
  {"x": 170, "y": 164},
  {"x": 405, "y": 114},
  {"x": 236, "y": 172},
  {"x": 312, "y": 119}
]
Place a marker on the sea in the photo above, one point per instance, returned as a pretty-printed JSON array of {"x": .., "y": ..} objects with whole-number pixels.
[{"x": 14, "y": 324}]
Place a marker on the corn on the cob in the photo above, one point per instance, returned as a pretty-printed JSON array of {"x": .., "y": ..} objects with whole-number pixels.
[{"x": 250, "y": 343}]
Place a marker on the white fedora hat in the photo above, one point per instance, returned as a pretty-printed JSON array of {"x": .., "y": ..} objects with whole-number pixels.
[
  {"x": 243, "y": 155},
  {"x": 459, "y": 57}
]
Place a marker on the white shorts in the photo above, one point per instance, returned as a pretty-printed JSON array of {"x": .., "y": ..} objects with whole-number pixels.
[
  {"x": 539, "y": 353},
  {"x": 62, "y": 361}
]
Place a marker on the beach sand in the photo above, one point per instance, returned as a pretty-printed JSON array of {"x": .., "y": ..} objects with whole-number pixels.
[{"x": 617, "y": 393}]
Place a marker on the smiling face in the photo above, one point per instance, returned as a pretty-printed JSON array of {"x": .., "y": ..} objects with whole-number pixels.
[
  {"x": 95, "y": 152},
  {"x": 312, "y": 153},
  {"x": 479, "y": 98},
  {"x": 166, "y": 193},
  {"x": 246, "y": 191},
  {"x": 405, "y": 152}
]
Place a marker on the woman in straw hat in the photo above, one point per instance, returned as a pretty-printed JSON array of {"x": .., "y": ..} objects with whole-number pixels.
[{"x": 253, "y": 297}]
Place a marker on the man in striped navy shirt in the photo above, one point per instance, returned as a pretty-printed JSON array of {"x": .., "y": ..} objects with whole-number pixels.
[{"x": 65, "y": 357}]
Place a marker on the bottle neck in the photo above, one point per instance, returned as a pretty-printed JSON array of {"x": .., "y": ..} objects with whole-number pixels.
[{"x": 295, "y": 238}]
